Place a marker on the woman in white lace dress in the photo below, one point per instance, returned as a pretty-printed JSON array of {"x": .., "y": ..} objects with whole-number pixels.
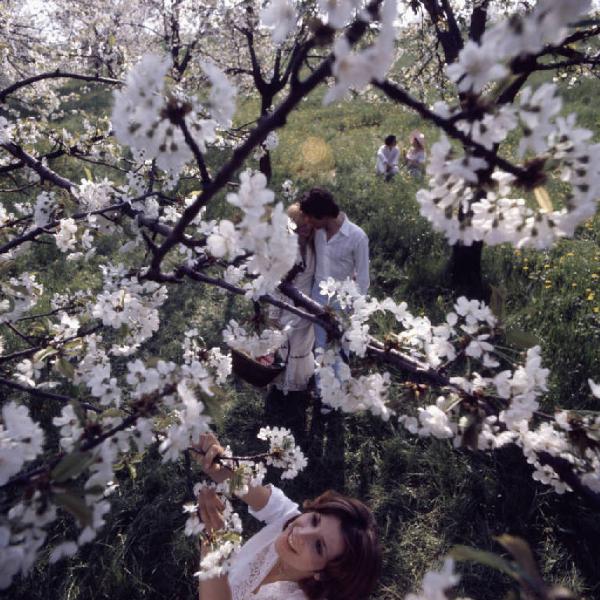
[
  {"x": 328, "y": 551},
  {"x": 298, "y": 351}
]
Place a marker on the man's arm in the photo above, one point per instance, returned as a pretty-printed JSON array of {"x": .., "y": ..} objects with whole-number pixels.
[{"x": 361, "y": 264}]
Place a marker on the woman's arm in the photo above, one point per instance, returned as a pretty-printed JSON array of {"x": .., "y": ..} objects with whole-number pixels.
[
  {"x": 214, "y": 589},
  {"x": 209, "y": 447}
]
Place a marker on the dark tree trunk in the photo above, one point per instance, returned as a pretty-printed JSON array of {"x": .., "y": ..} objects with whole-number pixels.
[
  {"x": 465, "y": 270},
  {"x": 264, "y": 163}
]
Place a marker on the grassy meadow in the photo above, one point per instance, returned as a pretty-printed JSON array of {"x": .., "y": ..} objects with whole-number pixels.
[{"x": 427, "y": 496}]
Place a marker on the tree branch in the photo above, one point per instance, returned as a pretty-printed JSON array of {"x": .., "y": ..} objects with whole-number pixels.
[
  {"x": 39, "y": 393},
  {"x": 58, "y": 74}
]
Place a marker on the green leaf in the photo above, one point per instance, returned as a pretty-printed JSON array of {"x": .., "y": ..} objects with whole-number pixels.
[
  {"x": 64, "y": 367},
  {"x": 88, "y": 174},
  {"x": 78, "y": 410},
  {"x": 73, "y": 345},
  {"x": 465, "y": 553},
  {"x": 132, "y": 471},
  {"x": 521, "y": 339},
  {"x": 76, "y": 505},
  {"x": 71, "y": 466},
  {"x": 42, "y": 355},
  {"x": 520, "y": 551}
]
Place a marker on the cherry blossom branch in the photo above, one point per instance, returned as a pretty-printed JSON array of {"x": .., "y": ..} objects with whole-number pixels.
[
  {"x": 29, "y": 351},
  {"x": 142, "y": 407},
  {"x": 58, "y": 74},
  {"x": 47, "y": 314},
  {"x": 564, "y": 470},
  {"x": 28, "y": 476},
  {"x": 44, "y": 172},
  {"x": 33, "y": 233},
  {"x": 39, "y": 393},
  {"x": 317, "y": 316},
  {"x": 17, "y": 332},
  {"x": 191, "y": 142},
  {"x": 52, "y": 155}
]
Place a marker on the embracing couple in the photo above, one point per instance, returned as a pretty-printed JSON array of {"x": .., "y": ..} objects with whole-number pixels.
[{"x": 330, "y": 245}]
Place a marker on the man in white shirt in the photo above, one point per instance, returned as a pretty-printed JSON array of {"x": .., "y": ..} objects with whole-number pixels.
[
  {"x": 341, "y": 247},
  {"x": 388, "y": 156}
]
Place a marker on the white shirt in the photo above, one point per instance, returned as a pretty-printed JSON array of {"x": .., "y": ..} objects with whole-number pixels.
[
  {"x": 258, "y": 556},
  {"x": 387, "y": 156},
  {"x": 345, "y": 255}
]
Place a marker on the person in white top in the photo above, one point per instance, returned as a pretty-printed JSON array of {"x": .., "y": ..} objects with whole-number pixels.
[
  {"x": 388, "y": 156},
  {"x": 341, "y": 247},
  {"x": 416, "y": 155},
  {"x": 328, "y": 551}
]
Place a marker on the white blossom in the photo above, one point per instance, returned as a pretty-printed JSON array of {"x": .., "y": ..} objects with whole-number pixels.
[{"x": 280, "y": 16}]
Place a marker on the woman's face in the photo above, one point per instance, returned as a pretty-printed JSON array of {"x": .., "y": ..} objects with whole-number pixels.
[
  {"x": 309, "y": 542},
  {"x": 303, "y": 227}
]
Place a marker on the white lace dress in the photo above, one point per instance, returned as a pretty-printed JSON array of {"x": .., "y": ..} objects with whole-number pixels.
[
  {"x": 301, "y": 335},
  {"x": 258, "y": 556}
]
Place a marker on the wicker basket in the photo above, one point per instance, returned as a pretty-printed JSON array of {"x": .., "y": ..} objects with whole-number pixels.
[{"x": 255, "y": 373}]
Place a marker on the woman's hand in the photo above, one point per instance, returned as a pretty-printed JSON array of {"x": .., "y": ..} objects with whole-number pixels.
[
  {"x": 209, "y": 449},
  {"x": 211, "y": 509}
]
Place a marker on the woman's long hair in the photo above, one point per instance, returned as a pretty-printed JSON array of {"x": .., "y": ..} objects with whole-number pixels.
[{"x": 353, "y": 575}]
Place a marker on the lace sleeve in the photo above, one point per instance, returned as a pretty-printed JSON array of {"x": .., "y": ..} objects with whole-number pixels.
[{"x": 277, "y": 507}]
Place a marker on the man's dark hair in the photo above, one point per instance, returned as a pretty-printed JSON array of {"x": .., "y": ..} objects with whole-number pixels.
[
  {"x": 319, "y": 203},
  {"x": 390, "y": 139}
]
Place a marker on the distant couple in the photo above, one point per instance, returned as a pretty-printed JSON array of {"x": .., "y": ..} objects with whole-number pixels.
[
  {"x": 388, "y": 156},
  {"x": 330, "y": 245}
]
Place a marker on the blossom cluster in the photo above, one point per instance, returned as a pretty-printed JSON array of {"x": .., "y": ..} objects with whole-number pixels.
[
  {"x": 355, "y": 69},
  {"x": 468, "y": 209},
  {"x": 148, "y": 120},
  {"x": 283, "y": 452},
  {"x": 129, "y": 305},
  {"x": 269, "y": 340},
  {"x": 165, "y": 390},
  {"x": 224, "y": 543},
  {"x": 465, "y": 404},
  {"x": 19, "y": 295},
  {"x": 21, "y": 440},
  {"x": 262, "y": 233},
  {"x": 468, "y": 199}
]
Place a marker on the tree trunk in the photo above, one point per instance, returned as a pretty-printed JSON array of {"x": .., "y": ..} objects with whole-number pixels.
[
  {"x": 465, "y": 270},
  {"x": 264, "y": 163}
]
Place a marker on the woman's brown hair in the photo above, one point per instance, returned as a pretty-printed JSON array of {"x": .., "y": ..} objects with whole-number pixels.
[{"x": 353, "y": 575}]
